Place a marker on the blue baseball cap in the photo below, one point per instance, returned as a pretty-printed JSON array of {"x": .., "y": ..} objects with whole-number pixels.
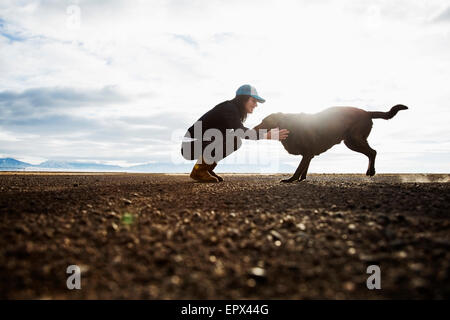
[{"x": 249, "y": 90}]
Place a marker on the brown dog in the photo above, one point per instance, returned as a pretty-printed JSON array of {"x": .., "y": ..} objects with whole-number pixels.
[{"x": 312, "y": 134}]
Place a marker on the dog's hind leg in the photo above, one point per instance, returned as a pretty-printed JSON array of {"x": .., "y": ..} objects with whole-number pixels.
[
  {"x": 361, "y": 145},
  {"x": 302, "y": 169}
]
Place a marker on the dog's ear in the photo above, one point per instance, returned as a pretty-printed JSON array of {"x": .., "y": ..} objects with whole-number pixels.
[
  {"x": 273, "y": 121},
  {"x": 278, "y": 116}
]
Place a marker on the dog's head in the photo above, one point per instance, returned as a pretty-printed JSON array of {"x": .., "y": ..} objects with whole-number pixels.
[{"x": 270, "y": 122}]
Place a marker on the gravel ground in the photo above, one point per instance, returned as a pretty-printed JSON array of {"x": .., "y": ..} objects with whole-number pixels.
[{"x": 155, "y": 236}]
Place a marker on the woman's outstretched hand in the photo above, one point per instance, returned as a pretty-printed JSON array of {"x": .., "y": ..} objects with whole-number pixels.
[{"x": 277, "y": 134}]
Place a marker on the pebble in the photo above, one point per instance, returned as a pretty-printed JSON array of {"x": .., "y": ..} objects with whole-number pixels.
[
  {"x": 251, "y": 283},
  {"x": 175, "y": 280},
  {"x": 258, "y": 272},
  {"x": 126, "y": 201},
  {"x": 301, "y": 226},
  {"x": 276, "y": 235},
  {"x": 349, "y": 286},
  {"x": 114, "y": 226}
]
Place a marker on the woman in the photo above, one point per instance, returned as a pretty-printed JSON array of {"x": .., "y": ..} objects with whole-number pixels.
[{"x": 218, "y": 133}]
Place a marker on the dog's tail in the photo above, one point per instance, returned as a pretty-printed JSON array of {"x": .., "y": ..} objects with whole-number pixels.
[{"x": 388, "y": 115}]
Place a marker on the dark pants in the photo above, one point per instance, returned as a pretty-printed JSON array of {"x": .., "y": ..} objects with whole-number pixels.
[{"x": 194, "y": 150}]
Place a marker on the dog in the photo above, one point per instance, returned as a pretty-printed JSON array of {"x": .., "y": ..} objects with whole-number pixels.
[{"x": 313, "y": 134}]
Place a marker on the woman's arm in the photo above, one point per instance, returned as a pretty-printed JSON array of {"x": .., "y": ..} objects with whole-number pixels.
[{"x": 232, "y": 121}]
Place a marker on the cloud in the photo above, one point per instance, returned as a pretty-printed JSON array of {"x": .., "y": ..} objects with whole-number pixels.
[
  {"x": 49, "y": 113},
  {"x": 37, "y": 103},
  {"x": 444, "y": 16},
  {"x": 11, "y": 36},
  {"x": 187, "y": 39},
  {"x": 51, "y": 123},
  {"x": 50, "y": 97}
]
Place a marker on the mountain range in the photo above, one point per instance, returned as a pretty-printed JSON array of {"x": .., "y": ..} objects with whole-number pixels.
[{"x": 10, "y": 164}]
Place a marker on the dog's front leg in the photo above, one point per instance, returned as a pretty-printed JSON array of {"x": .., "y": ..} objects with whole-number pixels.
[
  {"x": 301, "y": 169},
  {"x": 305, "y": 171}
]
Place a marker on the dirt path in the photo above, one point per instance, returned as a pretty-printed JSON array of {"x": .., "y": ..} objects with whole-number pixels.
[{"x": 162, "y": 236}]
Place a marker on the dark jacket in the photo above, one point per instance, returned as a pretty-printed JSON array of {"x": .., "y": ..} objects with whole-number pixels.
[{"x": 224, "y": 116}]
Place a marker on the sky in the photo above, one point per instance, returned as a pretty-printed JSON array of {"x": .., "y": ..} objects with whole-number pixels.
[{"x": 120, "y": 81}]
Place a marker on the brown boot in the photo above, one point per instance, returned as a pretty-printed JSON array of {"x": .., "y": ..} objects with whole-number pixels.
[
  {"x": 200, "y": 173},
  {"x": 211, "y": 172}
]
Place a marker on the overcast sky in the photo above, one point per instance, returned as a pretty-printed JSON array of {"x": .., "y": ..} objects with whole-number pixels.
[{"x": 119, "y": 81}]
